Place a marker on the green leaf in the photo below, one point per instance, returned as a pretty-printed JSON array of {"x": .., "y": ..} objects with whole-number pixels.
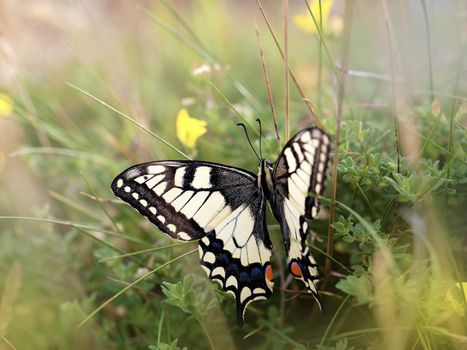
[
  {"x": 359, "y": 287},
  {"x": 180, "y": 294},
  {"x": 165, "y": 346}
]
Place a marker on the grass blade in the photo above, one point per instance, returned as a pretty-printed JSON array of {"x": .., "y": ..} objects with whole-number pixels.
[
  {"x": 340, "y": 100},
  {"x": 150, "y": 250},
  {"x": 135, "y": 282},
  {"x": 286, "y": 70},
  {"x": 74, "y": 225},
  {"x": 128, "y": 118},
  {"x": 333, "y": 319},
  {"x": 268, "y": 87},
  {"x": 307, "y": 102}
]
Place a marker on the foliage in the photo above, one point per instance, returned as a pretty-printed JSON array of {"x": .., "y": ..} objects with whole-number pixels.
[{"x": 68, "y": 246}]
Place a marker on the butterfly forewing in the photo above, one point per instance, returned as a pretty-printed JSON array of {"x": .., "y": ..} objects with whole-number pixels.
[
  {"x": 184, "y": 199},
  {"x": 299, "y": 177},
  {"x": 220, "y": 205}
]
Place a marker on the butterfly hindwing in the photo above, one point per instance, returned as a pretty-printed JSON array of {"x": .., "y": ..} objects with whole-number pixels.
[
  {"x": 236, "y": 254},
  {"x": 299, "y": 177},
  {"x": 220, "y": 205}
]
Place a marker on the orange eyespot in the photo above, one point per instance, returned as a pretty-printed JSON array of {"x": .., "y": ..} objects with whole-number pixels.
[
  {"x": 268, "y": 273},
  {"x": 295, "y": 269}
]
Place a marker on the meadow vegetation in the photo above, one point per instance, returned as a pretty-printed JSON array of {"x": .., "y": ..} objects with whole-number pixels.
[{"x": 89, "y": 88}]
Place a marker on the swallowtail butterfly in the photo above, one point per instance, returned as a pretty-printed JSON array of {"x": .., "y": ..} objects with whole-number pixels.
[{"x": 225, "y": 209}]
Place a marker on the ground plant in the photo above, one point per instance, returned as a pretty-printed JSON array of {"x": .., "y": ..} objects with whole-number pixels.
[{"x": 88, "y": 88}]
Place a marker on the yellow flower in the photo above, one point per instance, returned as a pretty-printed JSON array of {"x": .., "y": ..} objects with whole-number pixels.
[
  {"x": 455, "y": 298},
  {"x": 189, "y": 129},
  {"x": 331, "y": 24},
  {"x": 6, "y": 105}
]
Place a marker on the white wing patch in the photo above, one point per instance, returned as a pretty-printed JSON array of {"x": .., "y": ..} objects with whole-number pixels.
[
  {"x": 194, "y": 204},
  {"x": 291, "y": 161},
  {"x": 202, "y": 178},
  {"x": 156, "y": 169},
  {"x": 179, "y": 176}
]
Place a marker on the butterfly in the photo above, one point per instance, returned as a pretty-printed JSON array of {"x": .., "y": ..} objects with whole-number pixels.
[{"x": 225, "y": 209}]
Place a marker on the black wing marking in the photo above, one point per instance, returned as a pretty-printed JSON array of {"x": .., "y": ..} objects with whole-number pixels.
[
  {"x": 236, "y": 254},
  {"x": 220, "y": 205},
  {"x": 184, "y": 199},
  {"x": 299, "y": 176}
]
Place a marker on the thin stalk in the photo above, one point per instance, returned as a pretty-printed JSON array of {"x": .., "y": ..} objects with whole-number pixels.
[
  {"x": 367, "y": 201},
  {"x": 182, "y": 21},
  {"x": 320, "y": 33},
  {"x": 64, "y": 152},
  {"x": 100, "y": 241},
  {"x": 320, "y": 59},
  {"x": 159, "y": 330},
  {"x": 340, "y": 98},
  {"x": 100, "y": 203},
  {"x": 337, "y": 262},
  {"x": 205, "y": 331},
  {"x": 325, "y": 46},
  {"x": 393, "y": 86},
  {"x": 74, "y": 205},
  {"x": 7, "y": 342},
  {"x": 198, "y": 48},
  {"x": 74, "y": 225},
  {"x": 307, "y": 102},
  {"x": 428, "y": 44},
  {"x": 453, "y": 107},
  {"x": 280, "y": 263},
  {"x": 128, "y": 118},
  {"x": 234, "y": 109},
  {"x": 253, "y": 332},
  {"x": 282, "y": 335},
  {"x": 268, "y": 87},
  {"x": 150, "y": 250},
  {"x": 334, "y": 317},
  {"x": 286, "y": 70},
  {"x": 361, "y": 332}
]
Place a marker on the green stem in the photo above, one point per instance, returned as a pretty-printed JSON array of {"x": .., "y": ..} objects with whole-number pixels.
[
  {"x": 205, "y": 331},
  {"x": 328, "y": 328}
]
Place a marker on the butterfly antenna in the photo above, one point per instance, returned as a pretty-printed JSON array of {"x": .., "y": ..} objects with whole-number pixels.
[
  {"x": 260, "y": 138},
  {"x": 248, "y": 138}
]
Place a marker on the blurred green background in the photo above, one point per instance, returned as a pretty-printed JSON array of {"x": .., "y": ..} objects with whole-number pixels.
[{"x": 393, "y": 72}]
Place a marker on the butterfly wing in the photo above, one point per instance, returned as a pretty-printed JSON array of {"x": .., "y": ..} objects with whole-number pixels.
[
  {"x": 299, "y": 176},
  {"x": 236, "y": 254},
  {"x": 222, "y": 206}
]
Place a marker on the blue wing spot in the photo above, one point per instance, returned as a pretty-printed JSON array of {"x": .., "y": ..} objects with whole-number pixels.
[
  {"x": 232, "y": 269},
  {"x": 244, "y": 278},
  {"x": 257, "y": 274},
  {"x": 216, "y": 247},
  {"x": 222, "y": 260}
]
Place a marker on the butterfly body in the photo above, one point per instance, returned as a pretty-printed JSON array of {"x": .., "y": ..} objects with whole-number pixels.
[{"x": 225, "y": 209}]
